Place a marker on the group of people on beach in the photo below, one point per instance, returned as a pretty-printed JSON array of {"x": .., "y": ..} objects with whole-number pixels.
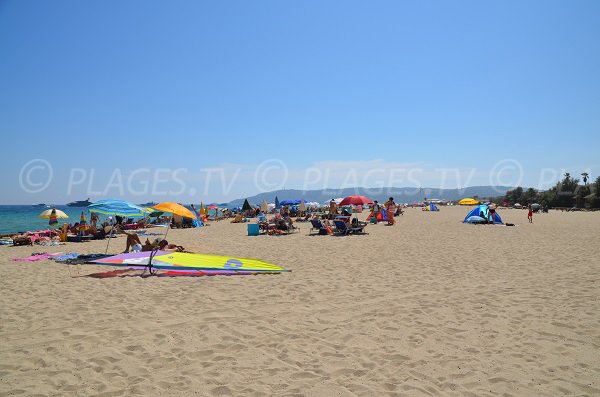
[{"x": 390, "y": 207}]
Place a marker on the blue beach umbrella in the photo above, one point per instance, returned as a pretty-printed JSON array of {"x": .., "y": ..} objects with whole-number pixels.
[
  {"x": 277, "y": 204},
  {"x": 116, "y": 208},
  {"x": 290, "y": 202}
]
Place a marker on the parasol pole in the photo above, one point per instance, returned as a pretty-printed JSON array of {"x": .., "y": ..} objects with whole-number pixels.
[
  {"x": 168, "y": 226},
  {"x": 112, "y": 229}
]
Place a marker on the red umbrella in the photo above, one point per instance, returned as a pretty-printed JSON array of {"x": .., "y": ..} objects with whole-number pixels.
[
  {"x": 356, "y": 200},
  {"x": 212, "y": 207}
]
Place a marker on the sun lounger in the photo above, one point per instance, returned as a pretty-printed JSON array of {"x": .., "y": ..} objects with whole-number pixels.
[
  {"x": 357, "y": 226},
  {"x": 342, "y": 229},
  {"x": 281, "y": 227},
  {"x": 318, "y": 226}
]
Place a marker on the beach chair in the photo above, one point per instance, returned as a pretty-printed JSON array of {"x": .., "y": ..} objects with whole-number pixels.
[
  {"x": 318, "y": 226},
  {"x": 341, "y": 229},
  {"x": 358, "y": 227},
  {"x": 279, "y": 227}
]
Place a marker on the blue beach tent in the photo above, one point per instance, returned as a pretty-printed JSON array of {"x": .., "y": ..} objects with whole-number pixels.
[{"x": 479, "y": 214}]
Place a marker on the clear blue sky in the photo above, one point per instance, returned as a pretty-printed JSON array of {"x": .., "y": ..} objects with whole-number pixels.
[{"x": 342, "y": 85}]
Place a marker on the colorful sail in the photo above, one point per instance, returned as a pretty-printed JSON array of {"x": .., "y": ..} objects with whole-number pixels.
[
  {"x": 185, "y": 261},
  {"x": 53, "y": 219}
]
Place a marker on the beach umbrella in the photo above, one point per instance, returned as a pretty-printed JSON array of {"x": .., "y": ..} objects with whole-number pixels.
[
  {"x": 302, "y": 207},
  {"x": 246, "y": 206},
  {"x": 313, "y": 204},
  {"x": 264, "y": 206},
  {"x": 468, "y": 201},
  {"x": 356, "y": 200},
  {"x": 174, "y": 208},
  {"x": 277, "y": 203},
  {"x": 212, "y": 207},
  {"x": 53, "y": 221},
  {"x": 202, "y": 209},
  {"x": 83, "y": 226},
  {"x": 151, "y": 212},
  {"x": 289, "y": 202},
  {"x": 57, "y": 213},
  {"x": 116, "y": 207}
]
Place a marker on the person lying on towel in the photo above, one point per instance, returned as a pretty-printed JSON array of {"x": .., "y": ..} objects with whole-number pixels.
[{"x": 135, "y": 244}]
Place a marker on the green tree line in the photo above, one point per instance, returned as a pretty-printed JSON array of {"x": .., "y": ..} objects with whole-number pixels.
[{"x": 567, "y": 192}]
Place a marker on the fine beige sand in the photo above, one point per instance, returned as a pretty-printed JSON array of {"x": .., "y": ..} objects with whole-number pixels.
[{"x": 429, "y": 307}]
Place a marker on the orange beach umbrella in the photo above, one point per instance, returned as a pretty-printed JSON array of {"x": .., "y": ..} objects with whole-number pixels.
[{"x": 174, "y": 208}]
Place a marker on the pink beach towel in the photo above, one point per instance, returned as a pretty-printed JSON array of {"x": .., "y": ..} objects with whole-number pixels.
[{"x": 36, "y": 257}]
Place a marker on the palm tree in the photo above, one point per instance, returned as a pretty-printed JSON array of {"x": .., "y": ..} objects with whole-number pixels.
[{"x": 585, "y": 177}]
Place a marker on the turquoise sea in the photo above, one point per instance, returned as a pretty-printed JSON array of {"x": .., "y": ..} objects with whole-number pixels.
[{"x": 22, "y": 218}]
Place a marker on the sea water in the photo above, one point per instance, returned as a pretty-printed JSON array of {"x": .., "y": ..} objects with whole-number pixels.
[{"x": 23, "y": 218}]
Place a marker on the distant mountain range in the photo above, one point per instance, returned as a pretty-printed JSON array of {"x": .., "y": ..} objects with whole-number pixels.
[{"x": 400, "y": 194}]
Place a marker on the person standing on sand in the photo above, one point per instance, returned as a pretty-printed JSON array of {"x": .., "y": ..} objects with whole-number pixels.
[
  {"x": 390, "y": 207},
  {"x": 530, "y": 213},
  {"x": 375, "y": 209},
  {"x": 332, "y": 208},
  {"x": 491, "y": 213}
]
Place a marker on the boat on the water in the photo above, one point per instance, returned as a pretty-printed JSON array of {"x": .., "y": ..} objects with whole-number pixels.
[
  {"x": 41, "y": 206},
  {"x": 148, "y": 204},
  {"x": 80, "y": 203}
]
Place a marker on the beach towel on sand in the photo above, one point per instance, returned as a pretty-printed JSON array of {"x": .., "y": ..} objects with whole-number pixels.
[
  {"x": 76, "y": 259},
  {"x": 36, "y": 257},
  {"x": 65, "y": 257}
]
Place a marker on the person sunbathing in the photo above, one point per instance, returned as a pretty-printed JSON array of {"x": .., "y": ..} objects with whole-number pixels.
[
  {"x": 134, "y": 243},
  {"x": 165, "y": 246}
]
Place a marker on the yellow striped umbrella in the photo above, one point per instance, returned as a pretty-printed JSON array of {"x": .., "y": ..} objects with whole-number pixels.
[{"x": 59, "y": 214}]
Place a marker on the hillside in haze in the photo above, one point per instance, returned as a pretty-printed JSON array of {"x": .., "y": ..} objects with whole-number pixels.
[{"x": 400, "y": 194}]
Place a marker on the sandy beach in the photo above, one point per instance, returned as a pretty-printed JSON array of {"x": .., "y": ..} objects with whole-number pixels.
[{"x": 429, "y": 307}]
